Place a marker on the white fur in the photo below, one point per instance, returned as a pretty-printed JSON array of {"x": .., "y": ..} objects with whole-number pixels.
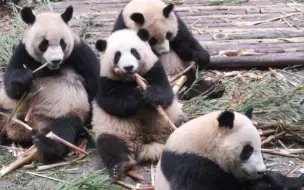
[
  {"x": 123, "y": 41},
  {"x": 162, "y": 47},
  {"x": 127, "y": 60},
  {"x": 51, "y": 27},
  {"x": 53, "y": 53}
]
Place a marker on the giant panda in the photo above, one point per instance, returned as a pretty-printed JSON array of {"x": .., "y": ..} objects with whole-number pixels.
[
  {"x": 170, "y": 39},
  {"x": 59, "y": 95},
  {"x": 218, "y": 151},
  {"x": 128, "y": 129}
]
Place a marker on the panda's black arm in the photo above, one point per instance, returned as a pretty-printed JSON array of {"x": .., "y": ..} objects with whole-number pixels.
[
  {"x": 85, "y": 63},
  {"x": 119, "y": 23},
  {"x": 159, "y": 91},
  {"x": 187, "y": 47},
  {"x": 18, "y": 79},
  {"x": 117, "y": 98}
]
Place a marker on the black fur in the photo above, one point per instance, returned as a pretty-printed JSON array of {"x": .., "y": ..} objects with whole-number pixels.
[
  {"x": 119, "y": 23},
  {"x": 138, "y": 18},
  {"x": 101, "y": 45},
  {"x": 68, "y": 14},
  {"x": 275, "y": 181},
  {"x": 226, "y": 119},
  {"x": 192, "y": 172},
  {"x": 68, "y": 128},
  {"x": 143, "y": 34},
  {"x": 168, "y": 9},
  {"x": 159, "y": 91},
  {"x": 118, "y": 98},
  {"x": 187, "y": 47},
  {"x": 82, "y": 59},
  {"x": 249, "y": 113},
  {"x": 27, "y": 15},
  {"x": 113, "y": 152}
]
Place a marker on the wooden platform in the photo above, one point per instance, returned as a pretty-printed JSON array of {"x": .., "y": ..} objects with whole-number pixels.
[{"x": 277, "y": 29}]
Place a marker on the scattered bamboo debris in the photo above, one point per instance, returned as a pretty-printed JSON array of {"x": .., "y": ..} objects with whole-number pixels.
[
  {"x": 274, "y": 152},
  {"x": 177, "y": 76},
  {"x": 47, "y": 177}
]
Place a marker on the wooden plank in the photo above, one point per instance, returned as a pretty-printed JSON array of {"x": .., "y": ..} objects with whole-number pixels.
[{"x": 271, "y": 60}]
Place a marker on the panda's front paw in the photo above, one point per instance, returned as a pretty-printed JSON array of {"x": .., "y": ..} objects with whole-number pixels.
[
  {"x": 152, "y": 96},
  {"x": 22, "y": 78},
  {"x": 118, "y": 170},
  {"x": 49, "y": 151},
  {"x": 202, "y": 59}
]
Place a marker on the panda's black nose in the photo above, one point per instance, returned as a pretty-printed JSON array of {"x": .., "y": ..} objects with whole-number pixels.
[
  {"x": 56, "y": 62},
  {"x": 128, "y": 68}
]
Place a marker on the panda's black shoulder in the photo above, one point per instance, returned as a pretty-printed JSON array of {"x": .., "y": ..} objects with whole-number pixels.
[
  {"x": 84, "y": 57},
  {"x": 119, "y": 23}
]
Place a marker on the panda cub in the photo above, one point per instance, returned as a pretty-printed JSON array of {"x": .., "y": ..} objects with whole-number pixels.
[
  {"x": 169, "y": 38},
  {"x": 128, "y": 128},
  {"x": 59, "y": 95},
  {"x": 217, "y": 151}
]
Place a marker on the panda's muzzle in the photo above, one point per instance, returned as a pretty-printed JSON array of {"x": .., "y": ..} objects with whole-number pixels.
[{"x": 54, "y": 64}]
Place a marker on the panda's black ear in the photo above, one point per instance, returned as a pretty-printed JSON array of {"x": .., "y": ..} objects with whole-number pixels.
[
  {"x": 101, "y": 45},
  {"x": 249, "y": 112},
  {"x": 168, "y": 9},
  {"x": 143, "y": 34},
  {"x": 27, "y": 15},
  {"x": 138, "y": 18},
  {"x": 68, "y": 14},
  {"x": 226, "y": 119}
]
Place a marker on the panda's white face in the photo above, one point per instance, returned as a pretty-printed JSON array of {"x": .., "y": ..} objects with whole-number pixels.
[
  {"x": 49, "y": 40},
  {"x": 125, "y": 50},
  {"x": 245, "y": 146}
]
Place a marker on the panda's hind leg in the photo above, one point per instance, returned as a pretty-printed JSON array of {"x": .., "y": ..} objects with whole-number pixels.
[
  {"x": 115, "y": 154},
  {"x": 49, "y": 151}
]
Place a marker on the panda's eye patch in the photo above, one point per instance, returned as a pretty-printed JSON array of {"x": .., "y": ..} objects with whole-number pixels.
[
  {"x": 152, "y": 41},
  {"x": 117, "y": 57},
  {"x": 135, "y": 53},
  {"x": 44, "y": 45},
  {"x": 246, "y": 152},
  {"x": 63, "y": 44},
  {"x": 168, "y": 35}
]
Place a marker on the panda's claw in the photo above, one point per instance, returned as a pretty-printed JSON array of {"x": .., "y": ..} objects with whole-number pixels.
[{"x": 119, "y": 169}]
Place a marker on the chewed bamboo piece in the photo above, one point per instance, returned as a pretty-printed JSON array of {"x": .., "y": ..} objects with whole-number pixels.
[{"x": 177, "y": 86}]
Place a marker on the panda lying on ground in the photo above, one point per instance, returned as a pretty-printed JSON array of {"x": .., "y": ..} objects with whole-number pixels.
[
  {"x": 218, "y": 151},
  {"x": 61, "y": 93},
  {"x": 128, "y": 128}
]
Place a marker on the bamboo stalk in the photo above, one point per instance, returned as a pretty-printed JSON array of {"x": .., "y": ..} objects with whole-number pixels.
[
  {"x": 47, "y": 177},
  {"x": 273, "y": 152},
  {"x": 25, "y": 158},
  {"x": 160, "y": 110},
  {"x": 177, "y": 76},
  {"x": 177, "y": 86},
  {"x": 134, "y": 174},
  {"x": 54, "y": 137}
]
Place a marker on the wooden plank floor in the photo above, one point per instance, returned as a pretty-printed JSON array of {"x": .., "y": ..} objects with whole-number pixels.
[{"x": 278, "y": 27}]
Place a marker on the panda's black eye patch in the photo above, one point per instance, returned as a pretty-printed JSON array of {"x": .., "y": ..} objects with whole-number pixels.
[
  {"x": 152, "y": 41},
  {"x": 44, "y": 45},
  {"x": 168, "y": 35},
  {"x": 63, "y": 44},
  {"x": 117, "y": 57},
  {"x": 135, "y": 53},
  {"x": 246, "y": 152}
]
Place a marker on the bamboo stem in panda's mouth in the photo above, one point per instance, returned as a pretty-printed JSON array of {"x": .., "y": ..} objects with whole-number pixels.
[{"x": 142, "y": 83}]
